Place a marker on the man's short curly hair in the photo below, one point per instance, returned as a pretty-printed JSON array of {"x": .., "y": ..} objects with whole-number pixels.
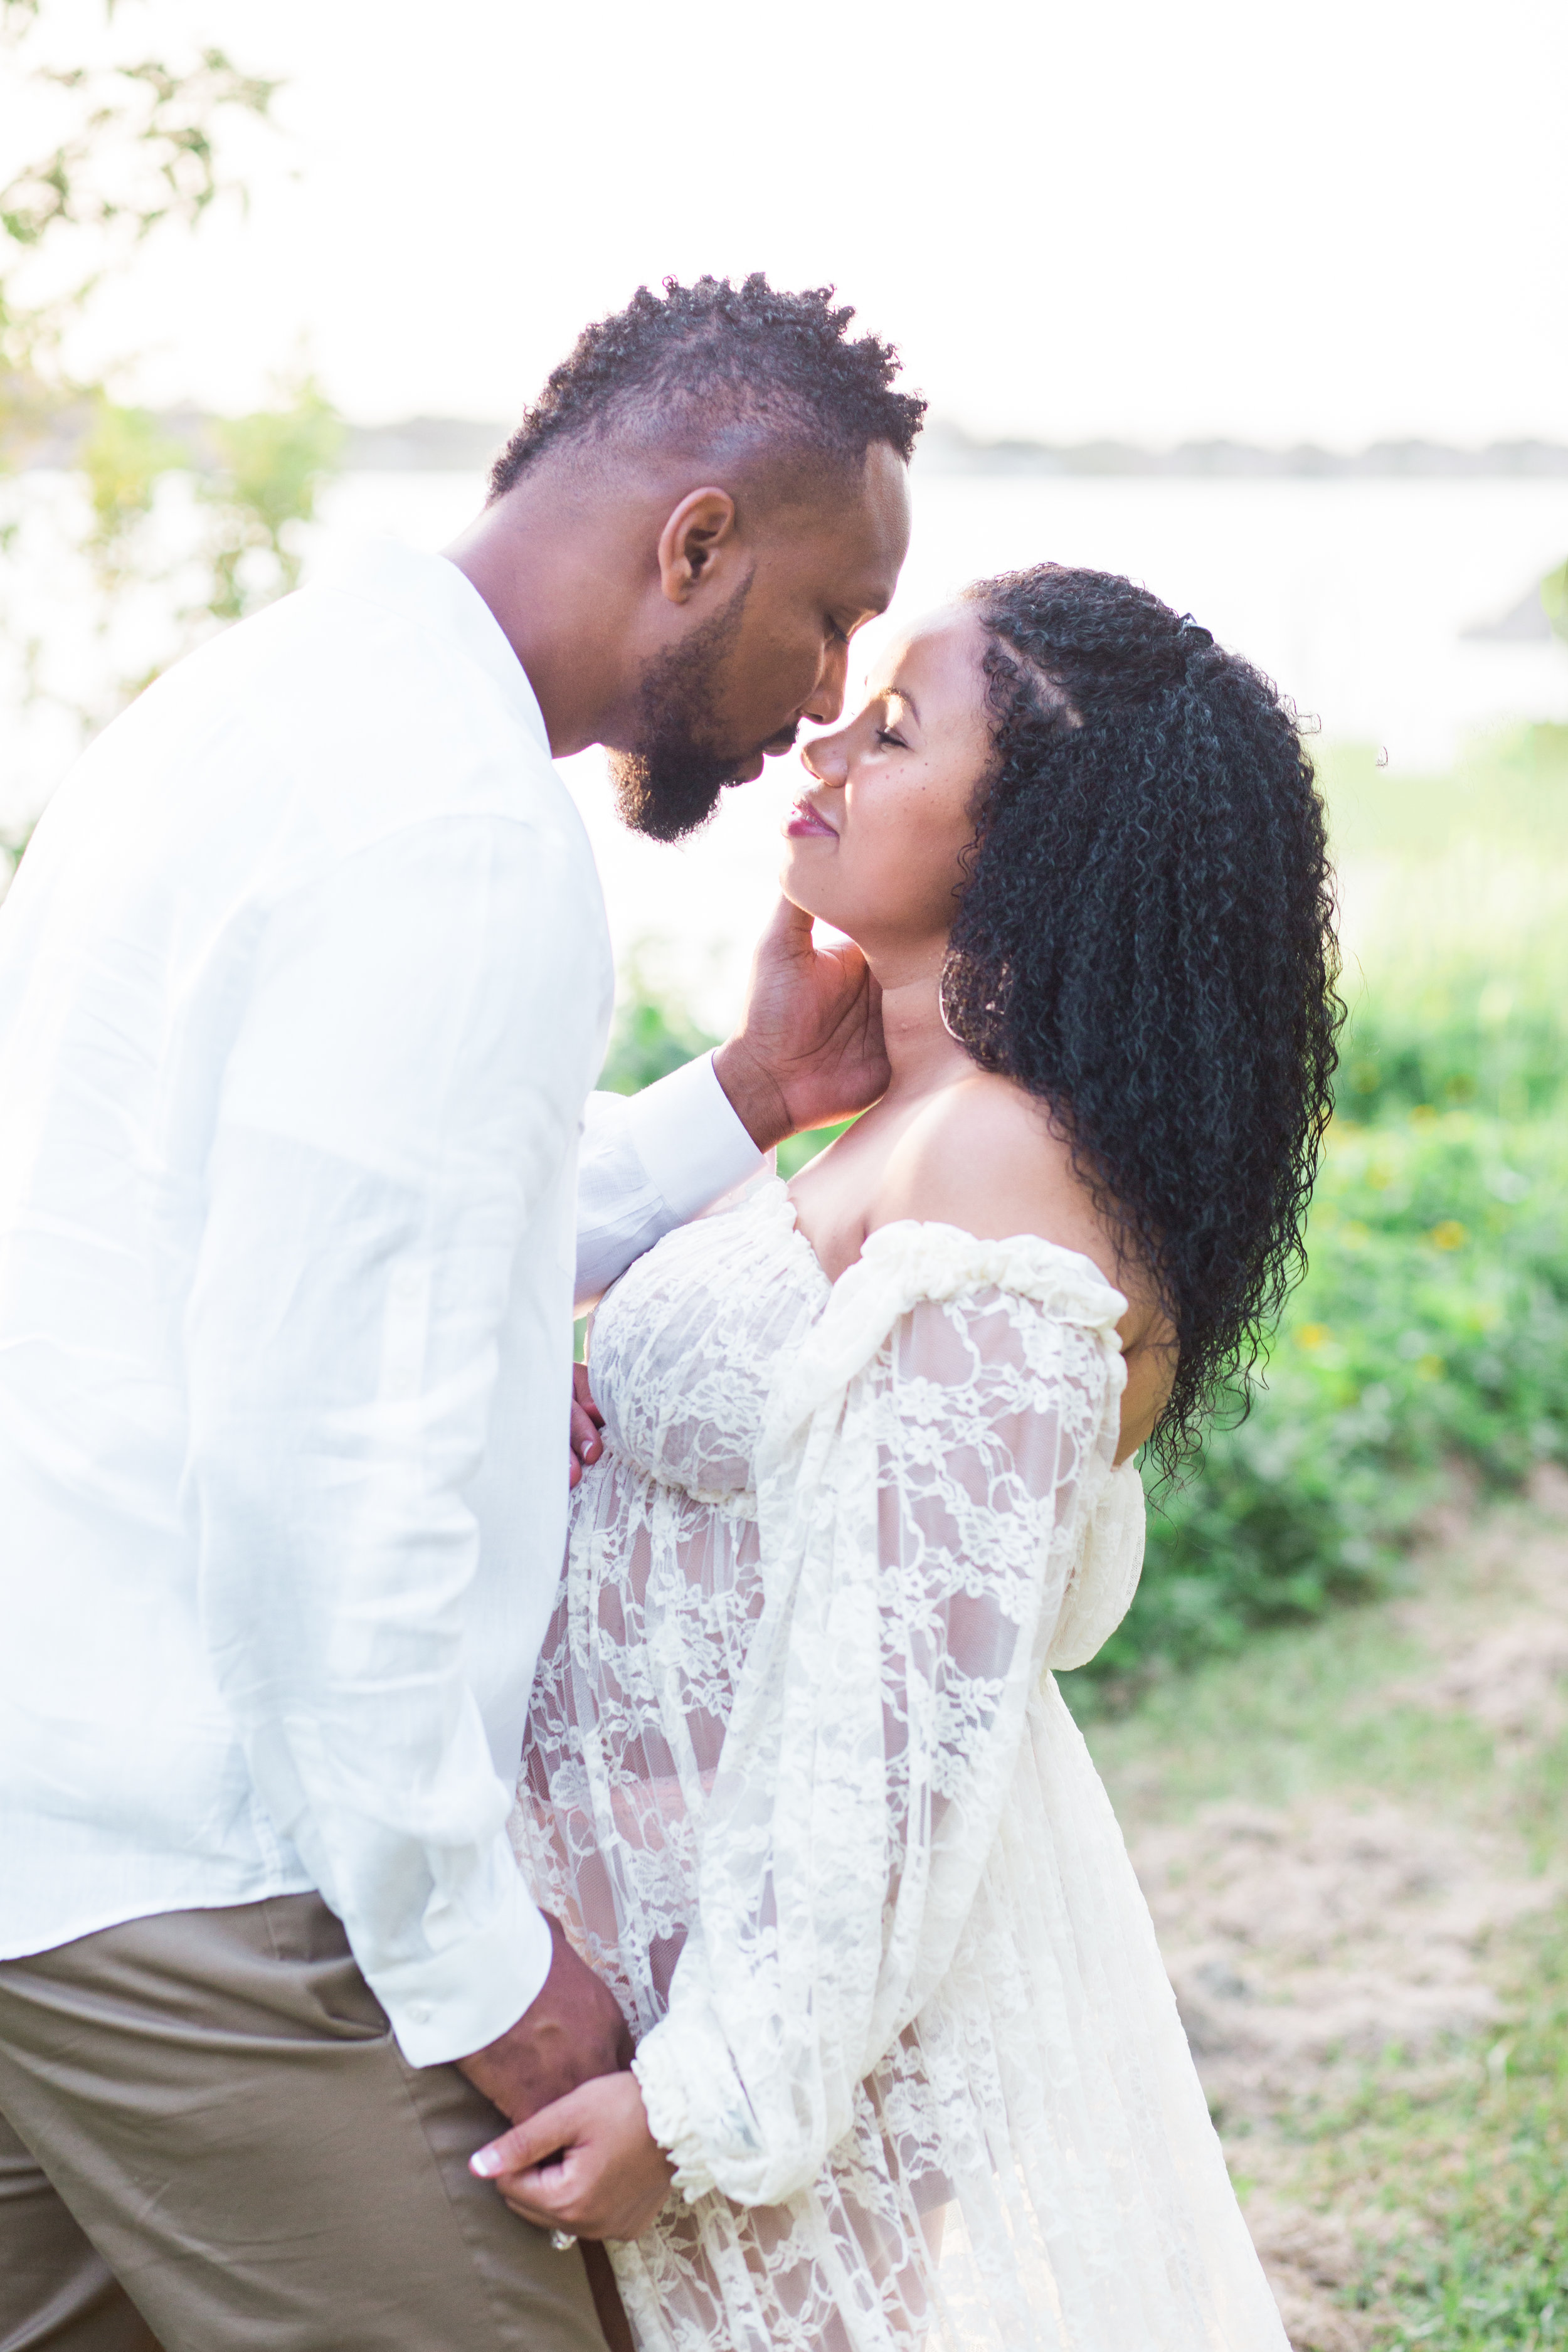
[{"x": 713, "y": 358}]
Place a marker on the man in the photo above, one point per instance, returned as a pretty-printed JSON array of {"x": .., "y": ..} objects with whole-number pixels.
[{"x": 303, "y": 983}]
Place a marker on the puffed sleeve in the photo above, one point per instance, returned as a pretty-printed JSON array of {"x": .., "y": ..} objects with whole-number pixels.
[{"x": 927, "y": 1469}]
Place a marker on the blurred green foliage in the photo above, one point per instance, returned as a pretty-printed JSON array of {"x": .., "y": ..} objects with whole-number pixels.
[
  {"x": 796, "y": 1149},
  {"x": 255, "y": 477},
  {"x": 652, "y": 1035},
  {"x": 1554, "y": 599},
  {"x": 1467, "y": 1039},
  {"x": 1508, "y": 790},
  {"x": 269, "y": 467},
  {"x": 136, "y": 151},
  {"x": 122, "y": 457},
  {"x": 182, "y": 523},
  {"x": 1431, "y": 1330}
]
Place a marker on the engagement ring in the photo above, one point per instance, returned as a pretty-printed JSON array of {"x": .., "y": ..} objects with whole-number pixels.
[{"x": 562, "y": 2240}]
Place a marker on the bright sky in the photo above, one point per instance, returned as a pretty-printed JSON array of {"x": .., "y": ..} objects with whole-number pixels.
[{"x": 1335, "y": 220}]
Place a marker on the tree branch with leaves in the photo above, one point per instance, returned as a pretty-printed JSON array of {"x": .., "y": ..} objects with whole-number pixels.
[{"x": 162, "y": 530}]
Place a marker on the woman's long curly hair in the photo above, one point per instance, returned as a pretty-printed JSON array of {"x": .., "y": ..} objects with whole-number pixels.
[{"x": 1146, "y": 941}]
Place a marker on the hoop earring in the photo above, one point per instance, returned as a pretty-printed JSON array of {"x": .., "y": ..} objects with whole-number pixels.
[{"x": 941, "y": 1008}]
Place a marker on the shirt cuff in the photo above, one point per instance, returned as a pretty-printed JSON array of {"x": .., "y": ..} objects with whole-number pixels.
[
  {"x": 692, "y": 1146},
  {"x": 451, "y": 2003}
]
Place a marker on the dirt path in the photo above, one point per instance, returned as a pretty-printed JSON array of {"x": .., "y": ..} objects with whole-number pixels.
[{"x": 1311, "y": 1939}]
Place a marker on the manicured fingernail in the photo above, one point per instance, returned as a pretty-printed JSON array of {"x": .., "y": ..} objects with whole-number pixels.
[{"x": 485, "y": 2162}]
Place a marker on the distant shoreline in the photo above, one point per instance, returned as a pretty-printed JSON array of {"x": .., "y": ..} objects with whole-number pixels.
[
  {"x": 451, "y": 444},
  {"x": 460, "y": 444},
  {"x": 946, "y": 448}
]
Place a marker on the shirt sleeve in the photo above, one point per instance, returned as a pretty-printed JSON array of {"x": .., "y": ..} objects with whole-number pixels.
[
  {"x": 916, "y": 1541},
  {"x": 649, "y": 1163},
  {"x": 394, "y": 1108}
]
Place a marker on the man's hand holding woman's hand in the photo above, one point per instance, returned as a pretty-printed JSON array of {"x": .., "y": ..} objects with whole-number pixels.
[
  {"x": 588, "y": 2164},
  {"x": 572, "y": 2031}
]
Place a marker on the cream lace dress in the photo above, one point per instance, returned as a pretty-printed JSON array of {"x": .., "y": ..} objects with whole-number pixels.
[{"x": 804, "y": 1792}]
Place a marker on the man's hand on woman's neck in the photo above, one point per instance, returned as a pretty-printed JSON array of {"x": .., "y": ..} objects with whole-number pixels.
[{"x": 808, "y": 1051}]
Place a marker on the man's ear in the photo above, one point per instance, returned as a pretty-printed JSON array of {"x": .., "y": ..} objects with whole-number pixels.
[{"x": 696, "y": 544}]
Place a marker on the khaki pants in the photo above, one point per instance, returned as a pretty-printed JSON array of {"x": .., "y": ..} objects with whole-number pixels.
[{"x": 209, "y": 2142}]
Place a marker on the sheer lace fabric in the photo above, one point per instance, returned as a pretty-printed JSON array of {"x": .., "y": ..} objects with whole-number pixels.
[{"x": 801, "y": 1786}]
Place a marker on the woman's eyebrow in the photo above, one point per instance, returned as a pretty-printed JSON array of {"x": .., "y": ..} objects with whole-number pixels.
[{"x": 904, "y": 694}]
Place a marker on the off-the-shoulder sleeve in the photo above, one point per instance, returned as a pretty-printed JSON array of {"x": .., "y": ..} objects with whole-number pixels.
[{"x": 926, "y": 1466}]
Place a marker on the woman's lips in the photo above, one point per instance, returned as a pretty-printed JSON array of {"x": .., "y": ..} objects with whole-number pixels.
[{"x": 805, "y": 822}]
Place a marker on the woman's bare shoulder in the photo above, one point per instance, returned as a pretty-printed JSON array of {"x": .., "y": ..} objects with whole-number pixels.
[{"x": 985, "y": 1155}]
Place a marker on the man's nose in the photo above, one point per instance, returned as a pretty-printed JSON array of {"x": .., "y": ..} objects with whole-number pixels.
[{"x": 827, "y": 702}]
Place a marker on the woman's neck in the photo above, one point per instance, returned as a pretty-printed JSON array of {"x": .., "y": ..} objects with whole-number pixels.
[{"x": 922, "y": 1052}]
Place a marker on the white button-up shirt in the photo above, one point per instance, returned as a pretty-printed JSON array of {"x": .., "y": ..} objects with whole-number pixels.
[{"x": 303, "y": 982}]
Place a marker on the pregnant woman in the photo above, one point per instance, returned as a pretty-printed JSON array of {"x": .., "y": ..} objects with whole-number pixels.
[{"x": 799, "y": 1782}]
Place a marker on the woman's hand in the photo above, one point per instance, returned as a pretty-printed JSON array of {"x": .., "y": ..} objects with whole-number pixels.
[
  {"x": 587, "y": 1423},
  {"x": 588, "y": 2163}
]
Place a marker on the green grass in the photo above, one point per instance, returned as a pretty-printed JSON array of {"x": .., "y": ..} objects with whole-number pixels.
[
  {"x": 1477, "y": 2153},
  {"x": 1454, "y": 2174},
  {"x": 1481, "y": 2160},
  {"x": 1301, "y": 1713},
  {"x": 1455, "y": 898},
  {"x": 1509, "y": 790}
]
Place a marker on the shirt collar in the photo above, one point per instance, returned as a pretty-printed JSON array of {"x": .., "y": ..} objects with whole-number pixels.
[{"x": 430, "y": 590}]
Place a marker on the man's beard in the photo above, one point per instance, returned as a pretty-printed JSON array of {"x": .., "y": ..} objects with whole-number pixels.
[{"x": 670, "y": 784}]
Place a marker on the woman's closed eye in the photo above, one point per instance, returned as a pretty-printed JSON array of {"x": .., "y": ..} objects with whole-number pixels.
[{"x": 891, "y": 735}]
